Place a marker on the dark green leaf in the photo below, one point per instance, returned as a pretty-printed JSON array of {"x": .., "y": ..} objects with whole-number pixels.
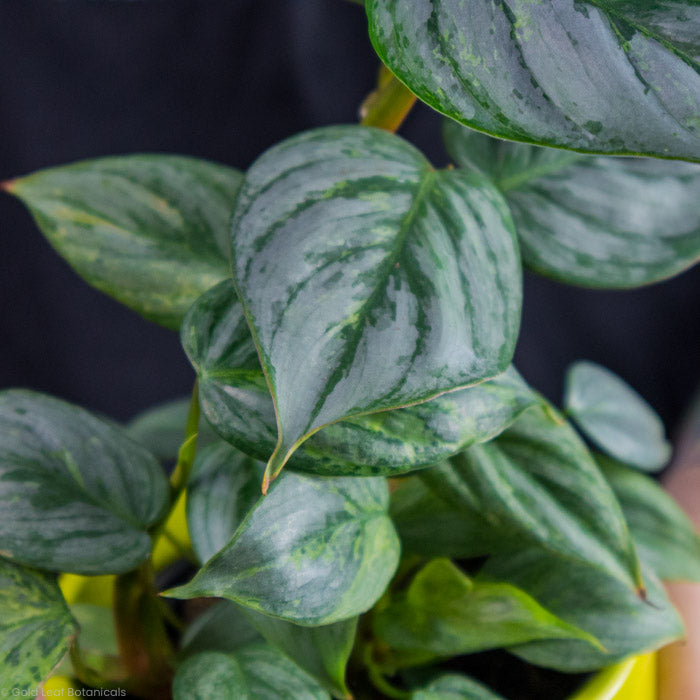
[
  {"x": 322, "y": 652},
  {"x": 454, "y": 687},
  {"x": 370, "y": 280},
  {"x": 664, "y": 536},
  {"x": 537, "y": 483},
  {"x": 595, "y": 76},
  {"x": 598, "y": 222},
  {"x": 35, "y": 627},
  {"x": 162, "y": 429},
  {"x": 615, "y": 417},
  {"x": 444, "y": 613},
  {"x": 76, "y": 494},
  {"x": 588, "y": 598},
  {"x": 313, "y": 551},
  {"x": 224, "y": 486},
  {"x": 236, "y": 400},
  {"x": 149, "y": 230},
  {"x": 253, "y": 672},
  {"x": 222, "y": 627},
  {"x": 431, "y": 526}
]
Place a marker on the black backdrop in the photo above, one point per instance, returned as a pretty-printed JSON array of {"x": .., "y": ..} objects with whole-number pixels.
[{"x": 225, "y": 79}]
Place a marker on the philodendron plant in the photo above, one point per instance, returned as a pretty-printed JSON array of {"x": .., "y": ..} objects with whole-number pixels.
[{"x": 373, "y": 493}]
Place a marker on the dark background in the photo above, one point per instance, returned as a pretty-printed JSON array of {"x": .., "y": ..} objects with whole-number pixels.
[{"x": 224, "y": 80}]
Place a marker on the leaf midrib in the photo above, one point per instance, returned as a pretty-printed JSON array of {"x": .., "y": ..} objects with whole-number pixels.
[
  {"x": 606, "y": 8},
  {"x": 362, "y": 313}
]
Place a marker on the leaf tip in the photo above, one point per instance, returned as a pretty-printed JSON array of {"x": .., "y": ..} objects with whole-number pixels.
[{"x": 8, "y": 186}]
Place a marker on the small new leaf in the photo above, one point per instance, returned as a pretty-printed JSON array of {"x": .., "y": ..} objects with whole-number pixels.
[
  {"x": 615, "y": 417},
  {"x": 444, "y": 613}
]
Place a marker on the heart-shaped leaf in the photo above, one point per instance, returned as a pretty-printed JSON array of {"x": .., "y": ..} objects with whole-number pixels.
[
  {"x": 76, "y": 494},
  {"x": 35, "y": 628},
  {"x": 453, "y": 686},
  {"x": 593, "y": 221},
  {"x": 537, "y": 483},
  {"x": 224, "y": 486},
  {"x": 161, "y": 429},
  {"x": 601, "y": 77},
  {"x": 593, "y": 601},
  {"x": 313, "y": 551},
  {"x": 444, "y": 613},
  {"x": 253, "y": 672},
  {"x": 370, "y": 281},
  {"x": 149, "y": 230},
  {"x": 663, "y": 534},
  {"x": 235, "y": 398},
  {"x": 615, "y": 417}
]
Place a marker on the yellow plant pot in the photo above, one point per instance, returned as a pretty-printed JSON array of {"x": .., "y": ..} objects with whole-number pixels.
[{"x": 632, "y": 679}]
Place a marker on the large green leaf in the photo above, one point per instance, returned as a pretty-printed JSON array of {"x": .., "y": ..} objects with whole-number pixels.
[
  {"x": 664, "y": 536},
  {"x": 615, "y": 417},
  {"x": 444, "y": 613},
  {"x": 588, "y": 598},
  {"x": 224, "y": 486},
  {"x": 594, "y": 221},
  {"x": 161, "y": 428},
  {"x": 236, "y": 400},
  {"x": 370, "y": 280},
  {"x": 253, "y": 672},
  {"x": 537, "y": 483},
  {"x": 431, "y": 526},
  {"x": 453, "y": 686},
  {"x": 323, "y": 652},
  {"x": 35, "y": 627},
  {"x": 76, "y": 494},
  {"x": 149, "y": 230},
  {"x": 601, "y": 76},
  {"x": 313, "y": 551}
]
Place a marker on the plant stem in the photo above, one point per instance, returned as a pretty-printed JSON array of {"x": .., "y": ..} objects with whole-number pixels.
[
  {"x": 144, "y": 646},
  {"x": 186, "y": 453},
  {"x": 388, "y": 105},
  {"x": 378, "y": 680}
]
